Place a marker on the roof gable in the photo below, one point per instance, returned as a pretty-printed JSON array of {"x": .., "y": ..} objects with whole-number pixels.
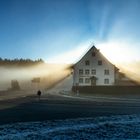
[{"x": 98, "y": 55}]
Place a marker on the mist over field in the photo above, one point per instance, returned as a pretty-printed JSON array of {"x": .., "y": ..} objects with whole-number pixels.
[
  {"x": 48, "y": 75},
  {"x": 131, "y": 69},
  {"x": 51, "y": 74}
]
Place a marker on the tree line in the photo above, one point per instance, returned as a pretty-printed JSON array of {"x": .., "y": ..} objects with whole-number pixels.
[{"x": 19, "y": 62}]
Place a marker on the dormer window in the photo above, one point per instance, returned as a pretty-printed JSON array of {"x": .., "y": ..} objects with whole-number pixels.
[{"x": 87, "y": 63}]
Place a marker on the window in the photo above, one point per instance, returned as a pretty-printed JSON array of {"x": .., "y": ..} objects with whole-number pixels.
[
  {"x": 86, "y": 71},
  {"x": 80, "y": 80},
  {"x": 87, "y": 80},
  {"x": 106, "y": 81},
  {"x": 80, "y": 72},
  {"x": 106, "y": 72},
  {"x": 93, "y": 72},
  {"x": 87, "y": 62},
  {"x": 100, "y": 62},
  {"x": 93, "y": 54}
]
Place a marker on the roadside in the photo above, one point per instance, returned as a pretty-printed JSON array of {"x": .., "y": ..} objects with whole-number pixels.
[{"x": 101, "y": 98}]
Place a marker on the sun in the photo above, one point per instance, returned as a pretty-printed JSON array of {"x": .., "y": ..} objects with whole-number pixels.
[{"x": 116, "y": 52}]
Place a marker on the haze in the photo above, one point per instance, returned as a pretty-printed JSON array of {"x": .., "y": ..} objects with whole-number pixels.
[{"x": 62, "y": 31}]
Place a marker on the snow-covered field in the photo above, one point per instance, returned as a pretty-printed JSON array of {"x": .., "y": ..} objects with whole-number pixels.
[{"x": 114, "y": 127}]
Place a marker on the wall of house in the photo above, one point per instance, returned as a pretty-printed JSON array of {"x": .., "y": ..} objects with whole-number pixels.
[{"x": 93, "y": 64}]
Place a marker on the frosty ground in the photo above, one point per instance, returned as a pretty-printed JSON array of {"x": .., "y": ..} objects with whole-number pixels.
[
  {"x": 113, "y": 127},
  {"x": 58, "y": 116}
]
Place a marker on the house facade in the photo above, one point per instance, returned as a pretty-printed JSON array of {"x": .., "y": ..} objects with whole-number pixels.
[{"x": 94, "y": 70}]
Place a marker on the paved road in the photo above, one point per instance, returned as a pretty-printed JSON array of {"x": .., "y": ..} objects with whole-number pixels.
[{"x": 58, "y": 107}]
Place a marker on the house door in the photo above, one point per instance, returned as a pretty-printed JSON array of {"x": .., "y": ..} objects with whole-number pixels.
[{"x": 93, "y": 81}]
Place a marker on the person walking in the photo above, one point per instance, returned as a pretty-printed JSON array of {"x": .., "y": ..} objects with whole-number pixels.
[{"x": 39, "y": 94}]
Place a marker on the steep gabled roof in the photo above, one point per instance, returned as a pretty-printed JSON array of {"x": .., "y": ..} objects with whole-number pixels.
[{"x": 93, "y": 47}]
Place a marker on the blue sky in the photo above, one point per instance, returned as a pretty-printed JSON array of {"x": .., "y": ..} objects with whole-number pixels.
[{"x": 50, "y": 28}]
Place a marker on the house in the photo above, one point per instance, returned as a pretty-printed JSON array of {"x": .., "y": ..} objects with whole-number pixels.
[
  {"x": 94, "y": 70},
  {"x": 93, "y": 73}
]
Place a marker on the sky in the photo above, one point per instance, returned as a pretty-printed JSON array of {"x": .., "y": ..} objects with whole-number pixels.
[{"x": 63, "y": 30}]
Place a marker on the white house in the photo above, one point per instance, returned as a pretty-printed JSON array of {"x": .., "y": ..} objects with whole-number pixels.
[{"x": 94, "y": 70}]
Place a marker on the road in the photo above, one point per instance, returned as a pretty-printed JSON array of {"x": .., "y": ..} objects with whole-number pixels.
[{"x": 53, "y": 107}]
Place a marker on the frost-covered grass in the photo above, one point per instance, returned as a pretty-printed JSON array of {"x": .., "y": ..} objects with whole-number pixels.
[{"x": 114, "y": 127}]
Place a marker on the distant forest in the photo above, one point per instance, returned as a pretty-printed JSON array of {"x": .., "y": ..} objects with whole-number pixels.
[{"x": 20, "y": 62}]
